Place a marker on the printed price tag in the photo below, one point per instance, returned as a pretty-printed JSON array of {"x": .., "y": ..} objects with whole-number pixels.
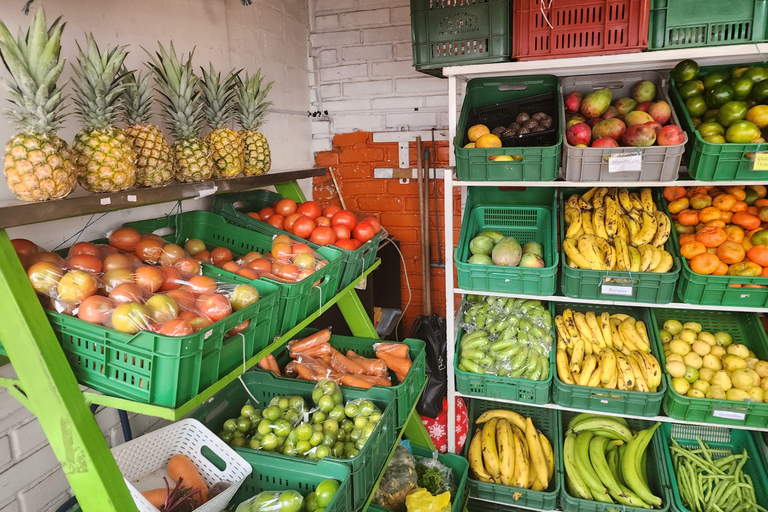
[
  {"x": 729, "y": 415},
  {"x": 761, "y": 162},
  {"x": 603, "y": 401},
  {"x": 624, "y": 162},
  {"x": 614, "y": 289}
]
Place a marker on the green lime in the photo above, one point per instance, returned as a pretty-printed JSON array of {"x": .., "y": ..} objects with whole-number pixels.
[
  {"x": 684, "y": 70},
  {"x": 230, "y": 425},
  {"x": 742, "y": 132},
  {"x": 756, "y": 74},
  {"x": 738, "y": 71},
  {"x": 716, "y": 77},
  {"x": 325, "y": 491},
  {"x": 719, "y": 95},
  {"x": 760, "y": 92},
  {"x": 710, "y": 128},
  {"x": 691, "y": 88},
  {"x": 741, "y": 86},
  {"x": 731, "y": 112},
  {"x": 696, "y": 106},
  {"x": 243, "y": 424},
  {"x": 709, "y": 115}
]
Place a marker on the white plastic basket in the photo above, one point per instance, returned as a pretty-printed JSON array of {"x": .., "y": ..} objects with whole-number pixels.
[{"x": 148, "y": 455}]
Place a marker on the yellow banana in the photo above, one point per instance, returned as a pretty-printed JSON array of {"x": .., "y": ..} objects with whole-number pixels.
[
  {"x": 635, "y": 259},
  {"x": 575, "y": 224},
  {"x": 590, "y": 362},
  {"x": 622, "y": 317},
  {"x": 585, "y": 332},
  {"x": 655, "y": 369},
  {"x": 573, "y": 202},
  {"x": 562, "y": 332},
  {"x": 631, "y": 225},
  {"x": 656, "y": 259},
  {"x": 625, "y": 372},
  {"x": 607, "y": 366},
  {"x": 621, "y": 229},
  {"x": 648, "y": 376},
  {"x": 594, "y": 326},
  {"x": 647, "y": 253},
  {"x": 642, "y": 331},
  {"x": 624, "y": 201},
  {"x": 490, "y": 452},
  {"x": 511, "y": 416},
  {"x": 605, "y": 329},
  {"x": 648, "y": 229},
  {"x": 665, "y": 264},
  {"x": 623, "y": 260},
  {"x": 640, "y": 383},
  {"x": 611, "y": 217},
  {"x": 637, "y": 204},
  {"x": 594, "y": 380},
  {"x": 563, "y": 372},
  {"x": 576, "y": 358},
  {"x": 569, "y": 246},
  {"x": 663, "y": 229},
  {"x": 550, "y": 456},
  {"x": 476, "y": 458},
  {"x": 627, "y": 329},
  {"x": 536, "y": 452},
  {"x": 607, "y": 253},
  {"x": 520, "y": 478},
  {"x": 586, "y": 223},
  {"x": 588, "y": 248},
  {"x": 646, "y": 197},
  {"x": 587, "y": 196},
  {"x": 598, "y": 222},
  {"x": 570, "y": 323},
  {"x": 616, "y": 338},
  {"x": 506, "y": 451},
  {"x": 597, "y": 200},
  {"x": 584, "y": 205},
  {"x": 620, "y": 384}
]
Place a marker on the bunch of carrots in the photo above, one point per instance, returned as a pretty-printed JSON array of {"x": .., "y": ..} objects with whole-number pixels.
[
  {"x": 190, "y": 489},
  {"x": 314, "y": 358}
]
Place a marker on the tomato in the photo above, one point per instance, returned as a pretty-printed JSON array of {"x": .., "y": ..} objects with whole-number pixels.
[
  {"x": 253, "y": 215},
  {"x": 247, "y": 273},
  {"x": 148, "y": 278},
  {"x": 303, "y": 227},
  {"x": 199, "y": 323},
  {"x": 342, "y": 232},
  {"x": 285, "y": 207},
  {"x": 127, "y": 292},
  {"x": 24, "y": 247},
  {"x": 216, "y": 307},
  {"x": 373, "y": 221},
  {"x": 281, "y": 251},
  {"x": 184, "y": 298},
  {"x": 231, "y": 266},
  {"x": 243, "y": 296},
  {"x": 290, "y": 219},
  {"x": 176, "y": 327},
  {"x": 200, "y": 285},
  {"x": 149, "y": 250},
  {"x": 346, "y": 244},
  {"x": 85, "y": 262},
  {"x": 344, "y": 218},
  {"x": 114, "y": 261},
  {"x": 162, "y": 308},
  {"x": 311, "y": 209},
  {"x": 51, "y": 257},
  {"x": 130, "y": 317},
  {"x": 300, "y": 248},
  {"x": 323, "y": 235},
  {"x": 260, "y": 265},
  {"x": 330, "y": 211},
  {"x": 356, "y": 243},
  {"x": 266, "y": 213},
  {"x": 324, "y": 492},
  {"x": 204, "y": 256},
  {"x": 221, "y": 255},
  {"x": 305, "y": 261},
  {"x": 277, "y": 221},
  {"x": 116, "y": 277},
  {"x": 288, "y": 271},
  {"x": 83, "y": 248},
  {"x": 45, "y": 276},
  {"x": 187, "y": 265},
  {"x": 238, "y": 328},
  {"x": 171, "y": 279},
  {"x": 76, "y": 285},
  {"x": 96, "y": 309},
  {"x": 125, "y": 239},
  {"x": 171, "y": 254},
  {"x": 323, "y": 221},
  {"x": 363, "y": 231},
  {"x": 253, "y": 255}
]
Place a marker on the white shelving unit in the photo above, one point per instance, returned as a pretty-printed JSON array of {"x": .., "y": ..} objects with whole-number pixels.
[{"x": 457, "y": 79}]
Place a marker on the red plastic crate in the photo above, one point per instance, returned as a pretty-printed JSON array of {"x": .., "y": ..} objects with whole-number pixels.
[{"x": 544, "y": 29}]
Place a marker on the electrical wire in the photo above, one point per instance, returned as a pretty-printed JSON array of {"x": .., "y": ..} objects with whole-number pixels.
[{"x": 407, "y": 281}]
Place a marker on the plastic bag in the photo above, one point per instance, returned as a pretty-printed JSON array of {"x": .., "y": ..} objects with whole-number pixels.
[
  {"x": 435, "y": 476},
  {"x": 273, "y": 502},
  {"x": 420, "y": 500},
  {"x": 364, "y": 416},
  {"x": 396, "y": 356},
  {"x": 326, "y": 395}
]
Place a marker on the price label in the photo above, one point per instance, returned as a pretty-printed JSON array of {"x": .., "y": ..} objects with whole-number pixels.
[
  {"x": 729, "y": 415},
  {"x": 761, "y": 162},
  {"x": 614, "y": 289},
  {"x": 603, "y": 401},
  {"x": 624, "y": 162}
]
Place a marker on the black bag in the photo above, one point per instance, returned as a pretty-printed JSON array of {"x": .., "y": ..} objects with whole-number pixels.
[{"x": 431, "y": 329}]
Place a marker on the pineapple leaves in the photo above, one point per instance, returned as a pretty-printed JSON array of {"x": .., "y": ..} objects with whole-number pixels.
[{"x": 252, "y": 107}]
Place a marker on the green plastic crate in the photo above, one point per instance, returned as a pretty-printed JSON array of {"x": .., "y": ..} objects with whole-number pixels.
[
  {"x": 232, "y": 206},
  {"x": 297, "y": 300},
  {"x": 695, "y": 23},
  {"x": 531, "y": 219},
  {"x": 658, "y": 478},
  {"x": 475, "y": 505},
  {"x": 744, "y": 328},
  {"x": 588, "y": 284},
  {"x": 736, "y": 441},
  {"x": 539, "y": 163},
  {"x": 459, "y": 467},
  {"x": 506, "y": 388},
  {"x": 163, "y": 370},
  {"x": 547, "y": 421},
  {"x": 611, "y": 400},
  {"x": 271, "y": 474},
  {"x": 708, "y": 161},
  {"x": 365, "y": 467},
  {"x": 451, "y": 33},
  {"x": 406, "y": 393}
]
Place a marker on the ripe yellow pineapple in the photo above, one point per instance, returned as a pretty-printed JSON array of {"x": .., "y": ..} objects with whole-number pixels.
[
  {"x": 183, "y": 107},
  {"x": 38, "y": 164},
  {"x": 220, "y": 102},
  {"x": 251, "y": 113},
  {"x": 104, "y": 156},
  {"x": 155, "y": 164}
]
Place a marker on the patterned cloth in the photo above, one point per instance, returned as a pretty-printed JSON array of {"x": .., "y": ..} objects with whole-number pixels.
[{"x": 437, "y": 427}]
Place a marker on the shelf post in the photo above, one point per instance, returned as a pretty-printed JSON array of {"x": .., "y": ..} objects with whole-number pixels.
[
  {"x": 52, "y": 392},
  {"x": 356, "y": 317},
  {"x": 449, "y": 305}
]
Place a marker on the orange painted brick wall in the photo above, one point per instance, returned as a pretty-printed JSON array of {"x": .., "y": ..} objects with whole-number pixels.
[{"x": 353, "y": 159}]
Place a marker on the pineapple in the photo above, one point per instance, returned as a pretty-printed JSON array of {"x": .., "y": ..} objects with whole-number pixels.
[
  {"x": 38, "y": 164},
  {"x": 226, "y": 144},
  {"x": 155, "y": 165},
  {"x": 183, "y": 105},
  {"x": 104, "y": 155},
  {"x": 252, "y": 109}
]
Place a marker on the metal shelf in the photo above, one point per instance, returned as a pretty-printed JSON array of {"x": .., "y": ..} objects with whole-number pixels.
[
  {"x": 19, "y": 213},
  {"x": 589, "y": 184}
]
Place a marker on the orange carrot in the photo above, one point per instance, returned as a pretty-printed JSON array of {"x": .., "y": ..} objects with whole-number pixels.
[
  {"x": 304, "y": 372},
  {"x": 320, "y": 337},
  {"x": 400, "y": 377},
  {"x": 375, "y": 367},
  {"x": 343, "y": 364},
  {"x": 156, "y": 497},
  {"x": 325, "y": 358},
  {"x": 349, "y": 380},
  {"x": 376, "y": 381},
  {"x": 269, "y": 363},
  {"x": 395, "y": 349},
  {"x": 396, "y": 364},
  {"x": 180, "y": 466},
  {"x": 313, "y": 351}
]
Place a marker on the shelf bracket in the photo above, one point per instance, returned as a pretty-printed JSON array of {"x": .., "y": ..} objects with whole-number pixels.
[
  {"x": 292, "y": 190},
  {"x": 14, "y": 389},
  {"x": 356, "y": 317}
]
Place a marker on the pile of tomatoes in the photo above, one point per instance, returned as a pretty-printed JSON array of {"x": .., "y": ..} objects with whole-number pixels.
[
  {"x": 322, "y": 226},
  {"x": 722, "y": 230}
]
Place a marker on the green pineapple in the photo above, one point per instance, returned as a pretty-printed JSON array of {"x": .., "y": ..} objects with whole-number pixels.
[
  {"x": 184, "y": 108},
  {"x": 155, "y": 165},
  {"x": 220, "y": 103},
  {"x": 251, "y": 113},
  {"x": 104, "y": 155},
  {"x": 38, "y": 164}
]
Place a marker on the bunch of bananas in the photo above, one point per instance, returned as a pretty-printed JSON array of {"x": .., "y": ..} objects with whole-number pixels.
[
  {"x": 606, "y": 461},
  {"x": 614, "y": 229},
  {"x": 508, "y": 450},
  {"x": 612, "y": 352}
]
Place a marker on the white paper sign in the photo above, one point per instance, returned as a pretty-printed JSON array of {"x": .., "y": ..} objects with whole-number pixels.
[
  {"x": 729, "y": 415},
  {"x": 613, "y": 289},
  {"x": 624, "y": 162}
]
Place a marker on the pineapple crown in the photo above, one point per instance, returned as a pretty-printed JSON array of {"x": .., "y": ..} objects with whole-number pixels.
[
  {"x": 178, "y": 86},
  {"x": 100, "y": 86},
  {"x": 252, "y": 107},
  {"x": 220, "y": 96},
  {"x": 33, "y": 61},
  {"x": 137, "y": 98}
]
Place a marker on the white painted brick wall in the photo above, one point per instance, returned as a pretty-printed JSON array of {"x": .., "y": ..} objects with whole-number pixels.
[{"x": 364, "y": 76}]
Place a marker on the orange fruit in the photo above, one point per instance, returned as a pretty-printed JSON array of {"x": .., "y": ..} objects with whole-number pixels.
[
  {"x": 690, "y": 249},
  {"x": 730, "y": 252},
  {"x": 705, "y": 263}
]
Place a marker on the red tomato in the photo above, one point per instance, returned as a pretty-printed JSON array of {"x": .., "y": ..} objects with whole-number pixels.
[
  {"x": 84, "y": 248},
  {"x": 96, "y": 309},
  {"x": 114, "y": 261},
  {"x": 127, "y": 292},
  {"x": 311, "y": 209},
  {"x": 266, "y": 213},
  {"x": 238, "y": 328},
  {"x": 187, "y": 265},
  {"x": 184, "y": 298},
  {"x": 357, "y": 243},
  {"x": 299, "y": 248},
  {"x": 148, "y": 278},
  {"x": 24, "y": 247},
  {"x": 323, "y": 235},
  {"x": 342, "y": 232},
  {"x": 253, "y": 255},
  {"x": 254, "y": 215},
  {"x": 344, "y": 218},
  {"x": 281, "y": 251},
  {"x": 330, "y": 211},
  {"x": 248, "y": 273},
  {"x": 124, "y": 239},
  {"x": 221, "y": 255},
  {"x": 85, "y": 262},
  {"x": 171, "y": 254},
  {"x": 373, "y": 221},
  {"x": 216, "y": 307},
  {"x": 276, "y": 221},
  {"x": 285, "y": 207},
  {"x": 203, "y": 256},
  {"x": 176, "y": 327},
  {"x": 260, "y": 265},
  {"x": 149, "y": 250},
  {"x": 303, "y": 227},
  {"x": 231, "y": 266},
  {"x": 363, "y": 231},
  {"x": 288, "y": 271},
  {"x": 289, "y": 220},
  {"x": 171, "y": 279},
  {"x": 323, "y": 221},
  {"x": 346, "y": 244}
]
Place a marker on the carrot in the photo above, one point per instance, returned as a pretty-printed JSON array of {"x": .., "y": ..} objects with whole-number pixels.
[
  {"x": 304, "y": 372},
  {"x": 343, "y": 364},
  {"x": 396, "y": 364},
  {"x": 400, "y": 377},
  {"x": 395, "y": 349},
  {"x": 350, "y": 380},
  {"x": 314, "y": 351},
  {"x": 180, "y": 466},
  {"x": 320, "y": 337},
  {"x": 374, "y": 367},
  {"x": 269, "y": 363},
  {"x": 376, "y": 381},
  {"x": 156, "y": 497},
  {"x": 325, "y": 358}
]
